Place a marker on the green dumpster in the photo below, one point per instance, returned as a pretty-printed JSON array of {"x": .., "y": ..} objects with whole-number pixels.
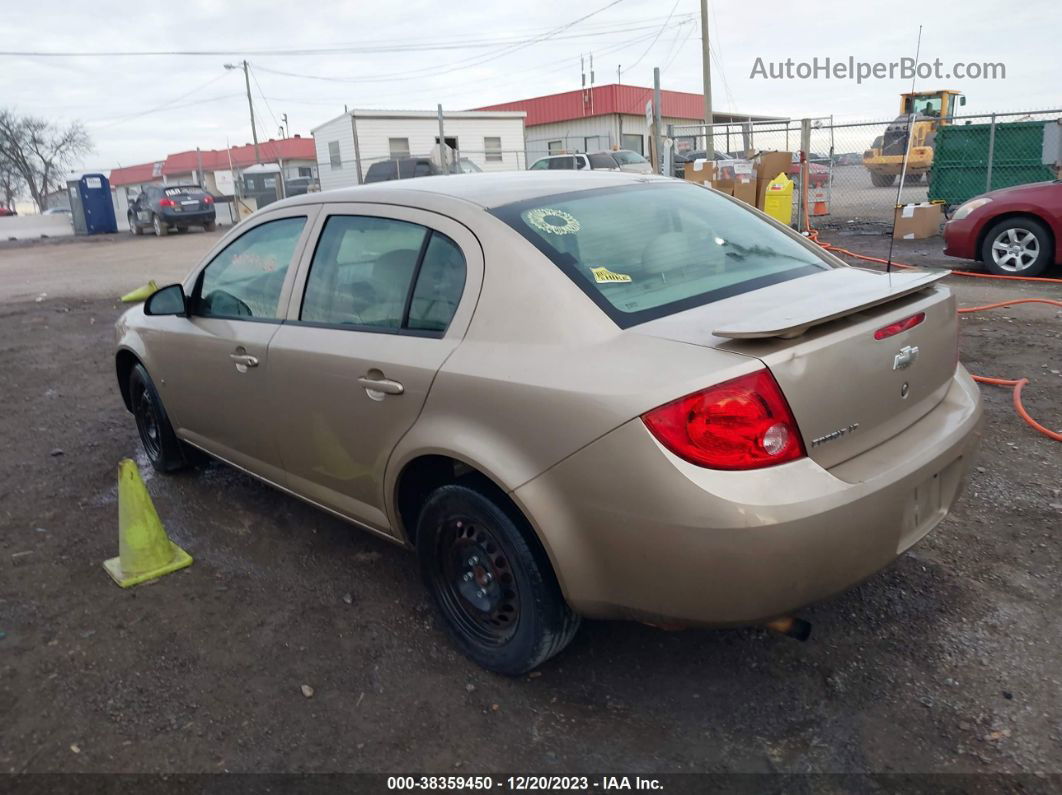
[{"x": 960, "y": 159}]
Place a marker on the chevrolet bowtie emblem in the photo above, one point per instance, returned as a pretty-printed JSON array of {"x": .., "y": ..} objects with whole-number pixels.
[{"x": 905, "y": 358}]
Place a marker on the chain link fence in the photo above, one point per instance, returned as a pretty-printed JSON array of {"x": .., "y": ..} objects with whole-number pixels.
[{"x": 854, "y": 167}]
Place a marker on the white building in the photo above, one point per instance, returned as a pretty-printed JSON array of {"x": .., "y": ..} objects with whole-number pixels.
[{"x": 348, "y": 144}]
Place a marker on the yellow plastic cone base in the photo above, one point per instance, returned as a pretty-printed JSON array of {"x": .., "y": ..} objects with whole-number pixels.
[
  {"x": 140, "y": 293},
  {"x": 145, "y": 552}
]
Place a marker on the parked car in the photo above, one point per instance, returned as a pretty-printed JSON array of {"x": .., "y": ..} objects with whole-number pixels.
[
  {"x": 410, "y": 167},
  {"x": 1013, "y": 231},
  {"x": 568, "y": 406},
  {"x": 165, "y": 207},
  {"x": 6, "y": 211},
  {"x": 599, "y": 161},
  {"x": 818, "y": 173},
  {"x": 630, "y": 161},
  {"x": 682, "y": 158},
  {"x": 57, "y": 211}
]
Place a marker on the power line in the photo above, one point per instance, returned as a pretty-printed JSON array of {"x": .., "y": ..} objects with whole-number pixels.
[
  {"x": 263, "y": 96},
  {"x": 404, "y": 46},
  {"x": 653, "y": 42},
  {"x": 164, "y": 105}
]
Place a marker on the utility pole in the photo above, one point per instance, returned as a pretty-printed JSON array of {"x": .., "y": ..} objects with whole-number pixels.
[
  {"x": 658, "y": 154},
  {"x": 706, "y": 69},
  {"x": 250, "y": 105},
  {"x": 284, "y": 116}
]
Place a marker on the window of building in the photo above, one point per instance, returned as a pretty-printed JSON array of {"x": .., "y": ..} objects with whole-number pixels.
[
  {"x": 555, "y": 147},
  {"x": 305, "y": 171},
  {"x": 493, "y": 150},
  {"x": 333, "y": 155},
  {"x": 633, "y": 142},
  {"x": 399, "y": 147}
]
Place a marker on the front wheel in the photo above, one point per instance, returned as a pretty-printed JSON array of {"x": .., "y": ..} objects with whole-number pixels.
[
  {"x": 1017, "y": 247},
  {"x": 491, "y": 581},
  {"x": 134, "y": 227},
  {"x": 161, "y": 444},
  {"x": 882, "y": 180}
]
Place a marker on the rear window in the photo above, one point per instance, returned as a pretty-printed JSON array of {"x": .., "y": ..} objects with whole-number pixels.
[
  {"x": 645, "y": 251},
  {"x": 628, "y": 158}
]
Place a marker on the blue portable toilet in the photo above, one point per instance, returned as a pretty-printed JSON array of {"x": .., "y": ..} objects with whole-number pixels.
[{"x": 90, "y": 204}]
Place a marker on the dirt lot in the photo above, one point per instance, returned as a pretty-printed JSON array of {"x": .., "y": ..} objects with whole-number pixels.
[{"x": 948, "y": 661}]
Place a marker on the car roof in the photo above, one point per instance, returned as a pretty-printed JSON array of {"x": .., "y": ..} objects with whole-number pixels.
[{"x": 485, "y": 189}]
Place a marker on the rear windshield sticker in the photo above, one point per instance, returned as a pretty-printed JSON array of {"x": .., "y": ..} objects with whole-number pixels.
[
  {"x": 554, "y": 222},
  {"x": 605, "y": 276}
]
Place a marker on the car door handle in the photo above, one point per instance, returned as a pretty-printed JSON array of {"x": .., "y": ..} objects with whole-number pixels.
[
  {"x": 383, "y": 386},
  {"x": 243, "y": 361}
]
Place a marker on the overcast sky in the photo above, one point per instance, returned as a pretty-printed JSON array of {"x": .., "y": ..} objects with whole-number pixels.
[{"x": 465, "y": 54}]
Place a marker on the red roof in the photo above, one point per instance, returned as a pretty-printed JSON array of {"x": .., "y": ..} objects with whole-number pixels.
[
  {"x": 241, "y": 156},
  {"x": 136, "y": 175},
  {"x": 612, "y": 98}
]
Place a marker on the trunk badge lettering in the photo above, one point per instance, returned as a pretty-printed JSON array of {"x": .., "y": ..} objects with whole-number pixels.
[
  {"x": 832, "y": 435},
  {"x": 905, "y": 358}
]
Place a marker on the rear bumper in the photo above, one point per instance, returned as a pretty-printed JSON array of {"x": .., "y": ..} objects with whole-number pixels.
[
  {"x": 193, "y": 217},
  {"x": 634, "y": 532}
]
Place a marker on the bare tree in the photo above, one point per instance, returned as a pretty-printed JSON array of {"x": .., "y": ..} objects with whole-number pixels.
[
  {"x": 10, "y": 184},
  {"x": 39, "y": 152}
]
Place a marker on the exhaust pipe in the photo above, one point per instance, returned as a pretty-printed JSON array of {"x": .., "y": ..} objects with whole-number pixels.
[{"x": 791, "y": 627}]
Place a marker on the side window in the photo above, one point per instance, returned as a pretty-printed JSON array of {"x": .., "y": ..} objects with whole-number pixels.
[
  {"x": 562, "y": 163},
  {"x": 245, "y": 279},
  {"x": 361, "y": 272},
  {"x": 335, "y": 159},
  {"x": 439, "y": 285},
  {"x": 540, "y": 165},
  {"x": 602, "y": 161}
]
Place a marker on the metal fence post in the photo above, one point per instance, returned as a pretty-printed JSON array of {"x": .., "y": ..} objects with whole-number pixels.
[
  {"x": 991, "y": 153},
  {"x": 805, "y": 146},
  {"x": 671, "y": 151}
]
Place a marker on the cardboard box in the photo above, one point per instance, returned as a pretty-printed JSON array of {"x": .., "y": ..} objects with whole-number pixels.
[
  {"x": 917, "y": 221},
  {"x": 746, "y": 191},
  {"x": 769, "y": 165},
  {"x": 699, "y": 171}
]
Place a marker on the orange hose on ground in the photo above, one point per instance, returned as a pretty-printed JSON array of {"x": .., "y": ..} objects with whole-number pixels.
[{"x": 1019, "y": 383}]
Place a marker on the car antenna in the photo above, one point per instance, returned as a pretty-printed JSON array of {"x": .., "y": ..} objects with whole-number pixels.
[{"x": 907, "y": 150}]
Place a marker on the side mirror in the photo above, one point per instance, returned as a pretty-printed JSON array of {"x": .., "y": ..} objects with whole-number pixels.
[{"x": 169, "y": 300}]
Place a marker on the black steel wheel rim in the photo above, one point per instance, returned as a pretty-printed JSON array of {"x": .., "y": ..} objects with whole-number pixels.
[
  {"x": 474, "y": 579},
  {"x": 147, "y": 423}
]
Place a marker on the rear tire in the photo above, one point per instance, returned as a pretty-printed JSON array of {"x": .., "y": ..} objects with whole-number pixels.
[
  {"x": 491, "y": 582},
  {"x": 160, "y": 226},
  {"x": 161, "y": 444},
  {"x": 882, "y": 180},
  {"x": 1019, "y": 246},
  {"x": 210, "y": 226}
]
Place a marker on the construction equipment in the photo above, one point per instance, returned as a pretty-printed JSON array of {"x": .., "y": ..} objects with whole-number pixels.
[{"x": 930, "y": 109}]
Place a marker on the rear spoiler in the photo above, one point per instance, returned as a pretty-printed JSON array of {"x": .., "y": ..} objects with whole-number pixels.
[{"x": 835, "y": 293}]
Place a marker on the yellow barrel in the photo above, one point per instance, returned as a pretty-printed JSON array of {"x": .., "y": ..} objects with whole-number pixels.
[{"x": 778, "y": 199}]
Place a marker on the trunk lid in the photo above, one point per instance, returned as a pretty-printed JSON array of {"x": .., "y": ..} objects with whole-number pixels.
[{"x": 848, "y": 391}]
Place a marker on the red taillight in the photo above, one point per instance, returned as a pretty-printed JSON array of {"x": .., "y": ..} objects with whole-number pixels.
[
  {"x": 899, "y": 325},
  {"x": 208, "y": 199},
  {"x": 744, "y": 423},
  {"x": 167, "y": 203}
]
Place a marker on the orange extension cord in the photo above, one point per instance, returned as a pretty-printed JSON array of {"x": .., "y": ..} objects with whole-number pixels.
[{"x": 1019, "y": 383}]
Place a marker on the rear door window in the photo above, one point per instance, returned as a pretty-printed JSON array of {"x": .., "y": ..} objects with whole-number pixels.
[
  {"x": 642, "y": 255},
  {"x": 602, "y": 161},
  {"x": 382, "y": 274},
  {"x": 562, "y": 163}
]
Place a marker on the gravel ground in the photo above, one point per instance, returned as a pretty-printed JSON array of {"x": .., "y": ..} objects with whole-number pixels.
[{"x": 948, "y": 661}]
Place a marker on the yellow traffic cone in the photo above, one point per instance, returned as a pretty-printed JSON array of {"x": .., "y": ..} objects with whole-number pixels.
[
  {"x": 145, "y": 552},
  {"x": 140, "y": 293}
]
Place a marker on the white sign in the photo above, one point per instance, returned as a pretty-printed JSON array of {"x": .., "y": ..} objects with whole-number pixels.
[
  {"x": 649, "y": 113},
  {"x": 93, "y": 183},
  {"x": 224, "y": 182}
]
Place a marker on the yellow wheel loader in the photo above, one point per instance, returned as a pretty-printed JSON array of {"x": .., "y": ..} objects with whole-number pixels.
[{"x": 884, "y": 158}]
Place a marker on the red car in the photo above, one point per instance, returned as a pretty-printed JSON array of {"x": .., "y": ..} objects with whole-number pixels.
[
  {"x": 1014, "y": 231},
  {"x": 818, "y": 174},
  {"x": 5, "y": 211}
]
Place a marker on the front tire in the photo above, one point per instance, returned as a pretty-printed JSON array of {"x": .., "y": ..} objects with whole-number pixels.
[
  {"x": 882, "y": 180},
  {"x": 134, "y": 227},
  {"x": 161, "y": 444},
  {"x": 491, "y": 581},
  {"x": 160, "y": 226},
  {"x": 1017, "y": 247}
]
